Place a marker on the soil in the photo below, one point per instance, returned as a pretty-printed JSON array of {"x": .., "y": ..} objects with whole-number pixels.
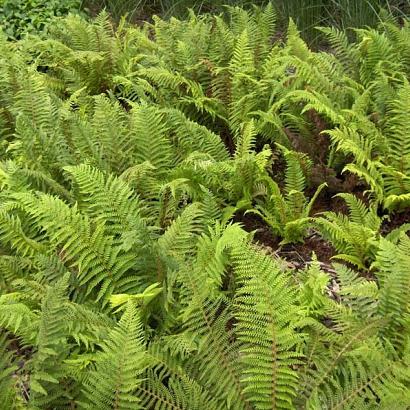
[
  {"x": 263, "y": 234},
  {"x": 301, "y": 254},
  {"x": 396, "y": 220},
  {"x": 297, "y": 255}
]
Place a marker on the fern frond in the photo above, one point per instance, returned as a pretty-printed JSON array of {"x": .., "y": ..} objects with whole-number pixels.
[
  {"x": 149, "y": 134},
  {"x": 8, "y": 368},
  {"x": 108, "y": 200},
  {"x": 392, "y": 263},
  {"x": 266, "y": 330},
  {"x": 100, "y": 259},
  {"x": 356, "y": 236},
  {"x": 342, "y": 48},
  {"x": 119, "y": 366},
  {"x": 52, "y": 349}
]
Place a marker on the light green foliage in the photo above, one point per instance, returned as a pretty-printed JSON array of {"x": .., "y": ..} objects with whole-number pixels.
[
  {"x": 118, "y": 367},
  {"x": 8, "y": 385},
  {"x": 288, "y": 214},
  {"x": 127, "y": 155},
  {"x": 367, "y": 122},
  {"x": 356, "y": 236},
  {"x": 392, "y": 262}
]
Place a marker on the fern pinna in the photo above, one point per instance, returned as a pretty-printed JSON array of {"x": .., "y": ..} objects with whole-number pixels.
[{"x": 129, "y": 154}]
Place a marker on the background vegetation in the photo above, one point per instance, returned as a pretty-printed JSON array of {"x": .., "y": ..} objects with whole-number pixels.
[
  {"x": 19, "y": 17},
  {"x": 22, "y": 16},
  {"x": 307, "y": 14}
]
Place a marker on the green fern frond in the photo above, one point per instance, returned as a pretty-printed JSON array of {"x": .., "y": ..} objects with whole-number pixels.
[
  {"x": 51, "y": 350},
  {"x": 108, "y": 200},
  {"x": 192, "y": 136},
  {"x": 178, "y": 239},
  {"x": 149, "y": 134},
  {"x": 101, "y": 263},
  {"x": 354, "y": 236},
  {"x": 392, "y": 263},
  {"x": 342, "y": 48},
  {"x": 397, "y": 130},
  {"x": 266, "y": 330},
  {"x": 119, "y": 366}
]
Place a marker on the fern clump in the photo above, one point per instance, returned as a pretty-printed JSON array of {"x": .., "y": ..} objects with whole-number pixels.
[
  {"x": 357, "y": 234},
  {"x": 131, "y": 157},
  {"x": 288, "y": 214}
]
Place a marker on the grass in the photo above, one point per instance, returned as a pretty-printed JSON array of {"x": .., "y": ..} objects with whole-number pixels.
[{"x": 308, "y": 14}]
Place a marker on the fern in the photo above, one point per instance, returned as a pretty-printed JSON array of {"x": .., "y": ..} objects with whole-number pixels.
[
  {"x": 128, "y": 152},
  {"x": 108, "y": 200},
  {"x": 69, "y": 231},
  {"x": 356, "y": 235},
  {"x": 8, "y": 386},
  {"x": 392, "y": 263},
  {"x": 115, "y": 379},
  {"x": 268, "y": 365},
  {"x": 288, "y": 214},
  {"x": 52, "y": 349}
]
